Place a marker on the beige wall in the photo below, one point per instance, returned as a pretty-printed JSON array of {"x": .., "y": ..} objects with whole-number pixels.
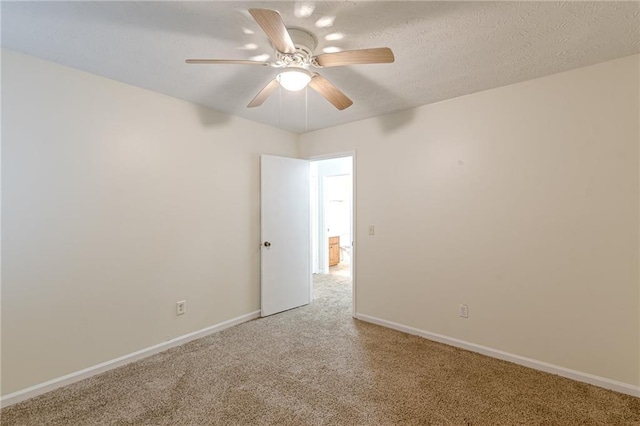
[
  {"x": 118, "y": 202},
  {"x": 521, "y": 202}
]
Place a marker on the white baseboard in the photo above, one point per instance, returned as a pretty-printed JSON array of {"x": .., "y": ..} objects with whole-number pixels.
[
  {"x": 580, "y": 376},
  {"x": 68, "y": 379}
]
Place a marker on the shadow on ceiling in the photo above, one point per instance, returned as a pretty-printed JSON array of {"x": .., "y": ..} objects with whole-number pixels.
[
  {"x": 247, "y": 81},
  {"x": 358, "y": 84}
]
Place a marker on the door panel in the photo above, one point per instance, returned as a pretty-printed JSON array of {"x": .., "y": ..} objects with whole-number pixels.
[{"x": 286, "y": 234}]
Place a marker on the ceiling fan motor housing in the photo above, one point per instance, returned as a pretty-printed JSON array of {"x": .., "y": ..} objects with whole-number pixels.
[{"x": 304, "y": 42}]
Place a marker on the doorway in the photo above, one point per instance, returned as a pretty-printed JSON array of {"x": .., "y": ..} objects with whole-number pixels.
[{"x": 332, "y": 190}]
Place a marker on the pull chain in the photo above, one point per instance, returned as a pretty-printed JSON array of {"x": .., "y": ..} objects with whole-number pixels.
[{"x": 280, "y": 108}]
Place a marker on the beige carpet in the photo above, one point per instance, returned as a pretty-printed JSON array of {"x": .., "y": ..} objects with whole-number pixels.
[
  {"x": 341, "y": 269},
  {"x": 316, "y": 365}
]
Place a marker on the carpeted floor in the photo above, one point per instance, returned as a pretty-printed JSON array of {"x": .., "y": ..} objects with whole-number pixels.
[
  {"x": 316, "y": 365},
  {"x": 341, "y": 269}
]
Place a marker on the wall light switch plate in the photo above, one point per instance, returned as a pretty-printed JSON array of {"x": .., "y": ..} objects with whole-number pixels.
[{"x": 372, "y": 230}]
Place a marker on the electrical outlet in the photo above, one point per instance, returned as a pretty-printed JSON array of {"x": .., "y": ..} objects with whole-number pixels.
[
  {"x": 372, "y": 230},
  {"x": 181, "y": 307},
  {"x": 464, "y": 311}
]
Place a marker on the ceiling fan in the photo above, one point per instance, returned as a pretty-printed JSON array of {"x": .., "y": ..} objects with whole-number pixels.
[{"x": 294, "y": 54}]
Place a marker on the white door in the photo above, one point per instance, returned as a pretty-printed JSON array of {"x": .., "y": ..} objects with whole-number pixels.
[{"x": 286, "y": 232}]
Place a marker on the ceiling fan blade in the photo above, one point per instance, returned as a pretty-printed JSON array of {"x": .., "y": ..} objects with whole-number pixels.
[
  {"x": 379, "y": 55},
  {"x": 272, "y": 24},
  {"x": 330, "y": 92},
  {"x": 263, "y": 94},
  {"x": 225, "y": 61}
]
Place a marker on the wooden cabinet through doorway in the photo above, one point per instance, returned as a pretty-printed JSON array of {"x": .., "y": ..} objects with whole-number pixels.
[{"x": 334, "y": 251}]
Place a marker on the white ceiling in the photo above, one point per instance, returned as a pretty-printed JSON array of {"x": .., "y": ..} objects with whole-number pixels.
[{"x": 442, "y": 49}]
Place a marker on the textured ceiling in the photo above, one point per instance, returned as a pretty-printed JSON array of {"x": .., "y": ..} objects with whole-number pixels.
[{"x": 442, "y": 49}]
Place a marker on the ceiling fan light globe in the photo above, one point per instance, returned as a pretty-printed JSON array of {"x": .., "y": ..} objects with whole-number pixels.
[{"x": 294, "y": 79}]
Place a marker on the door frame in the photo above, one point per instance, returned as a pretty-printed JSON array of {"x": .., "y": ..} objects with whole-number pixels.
[
  {"x": 324, "y": 238},
  {"x": 354, "y": 232}
]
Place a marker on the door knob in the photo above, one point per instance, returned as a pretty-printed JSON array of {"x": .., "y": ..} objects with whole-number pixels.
[{"x": 267, "y": 244}]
